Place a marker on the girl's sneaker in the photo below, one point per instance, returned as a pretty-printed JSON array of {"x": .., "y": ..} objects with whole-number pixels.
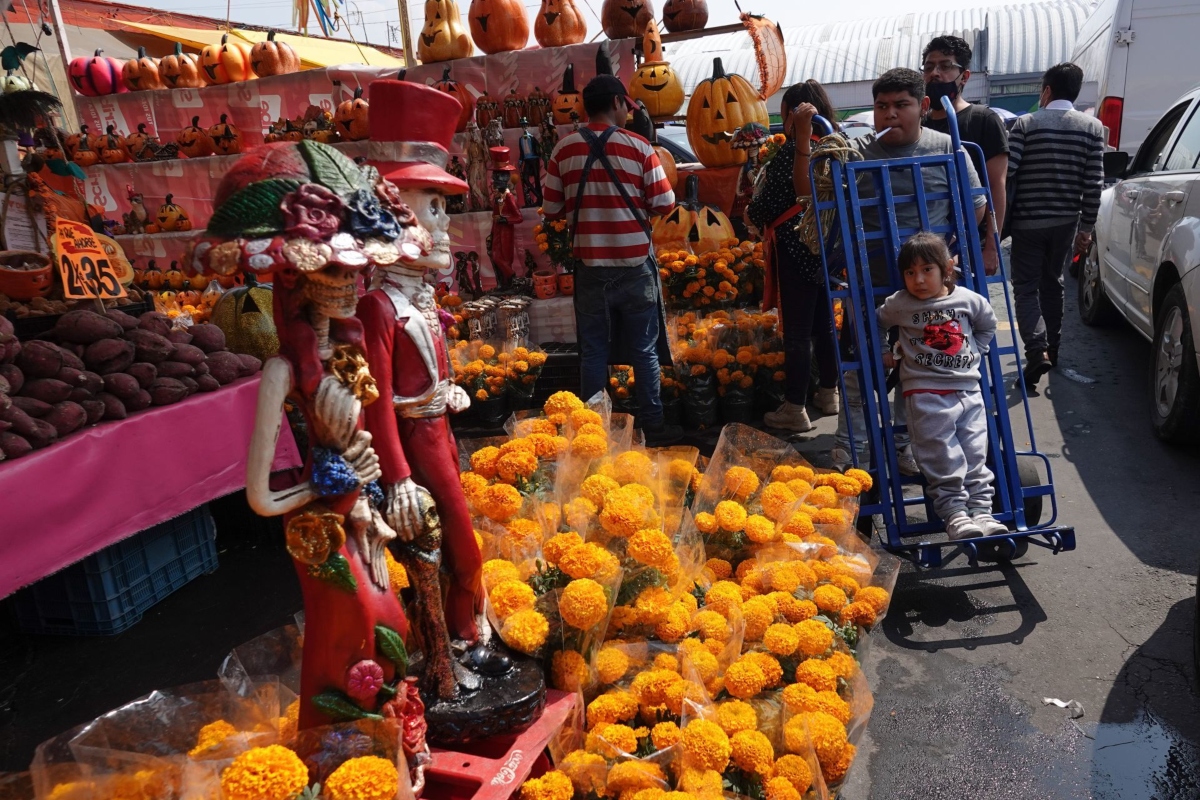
[
  {"x": 960, "y": 526},
  {"x": 987, "y": 523}
]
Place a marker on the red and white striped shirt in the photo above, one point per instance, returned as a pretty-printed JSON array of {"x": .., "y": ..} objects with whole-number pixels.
[{"x": 609, "y": 235}]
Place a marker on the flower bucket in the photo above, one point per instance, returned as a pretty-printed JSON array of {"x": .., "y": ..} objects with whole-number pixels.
[
  {"x": 545, "y": 284},
  {"x": 566, "y": 284},
  {"x": 492, "y": 412}
]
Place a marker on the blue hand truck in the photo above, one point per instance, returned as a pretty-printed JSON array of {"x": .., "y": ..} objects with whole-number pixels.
[{"x": 1019, "y": 488}]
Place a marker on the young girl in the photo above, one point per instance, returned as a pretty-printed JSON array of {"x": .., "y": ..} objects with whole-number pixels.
[{"x": 944, "y": 332}]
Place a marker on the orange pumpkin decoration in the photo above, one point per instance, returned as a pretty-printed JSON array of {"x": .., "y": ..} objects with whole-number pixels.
[
  {"x": 152, "y": 276},
  {"x": 138, "y": 140},
  {"x": 624, "y": 19},
  {"x": 174, "y": 277},
  {"x": 516, "y": 108},
  {"x": 72, "y": 142},
  {"x": 188, "y": 296},
  {"x": 486, "y": 110},
  {"x": 568, "y": 101},
  {"x": 113, "y": 150},
  {"x": 194, "y": 141},
  {"x": 84, "y": 154},
  {"x": 141, "y": 72},
  {"x": 498, "y": 26},
  {"x": 459, "y": 92},
  {"x": 352, "y": 118},
  {"x": 226, "y": 62},
  {"x": 685, "y": 15},
  {"x": 559, "y": 23},
  {"x": 226, "y": 138},
  {"x": 692, "y": 223},
  {"x": 180, "y": 70},
  {"x": 655, "y": 83},
  {"x": 270, "y": 57},
  {"x": 172, "y": 217},
  {"x": 539, "y": 107},
  {"x": 198, "y": 282},
  {"x": 443, "y": 38},
  {"x": 721, "y": 105},
  {"x": 96, "y": 140}
]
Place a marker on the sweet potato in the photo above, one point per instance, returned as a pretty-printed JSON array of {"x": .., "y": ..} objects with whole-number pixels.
[
  {"x": 94, "y": 410},
  {"x": 70, "y": 358},
  {"x": 14, "y": 446},
  {"x": 224, "y": 366},
  {"x": 175, "y": 369},
  {"x": 5, "y": 386},
  {"x": 165, "y": 391},
  {"x": 94, "y": 383},
  {"x": 143, "y": 372},
  {"x": 188, "y": 354},
  {"x": 10, "y": 348},
  {"x": 5, "y": 404},
  {"x": 75, "y": 378},
  {"x": 190, "y": 383},
  {"x": 138, "y": 403},
  {"x": 4, "y": 426},
  {"x": 207, "y": 383},
  {"x": 201, "y": 368},
  {"x": 208, "y": 337},
  {"x": 48, "y": 390},
  {"x": 122, "y": 386},
  {"x": 12, "y": 373},
  {"x": 22, "y": 423},
  {"x": 109, "y": 355},
  {"x": 155, "y": 322},
  {"x": 84, "y": 327},
  {"x": 40, "y": 359},
  {"x": 126, "y": 321},
  {"x": 151, "y": 347},
  {"x": 248, "y": 365},
  {"x": 113, "y": 407},
  {"x": 179, "y": 336},
  {"x": 43, "y": 434},
  {"x": 66, "y": 417},
  {"x": 31, "y": 406}
]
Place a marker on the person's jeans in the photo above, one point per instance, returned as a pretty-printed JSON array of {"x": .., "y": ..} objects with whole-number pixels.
[
  {"x": 1038, "y": 256},
  {"x": 608, "y": 299},
  {"x": 807, "y": 327}
]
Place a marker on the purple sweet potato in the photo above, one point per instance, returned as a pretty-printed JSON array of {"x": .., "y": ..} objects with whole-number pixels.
[
  {"x": 208, "y": 337},
  {"x": 126, "y": 321},
  {"x": 43, "y": 434},
  {"x": 94, "y": 410},
  {"x": 12, "y": 373},
  {"x": 175, "y": 369},
  {"x": 10, "y": 348},
  {"x": 207, "y": 383},
  {"x": 138, "y": 403},
  {"x": 166, "y": 391},
  {"x": 94, "y": 383},
  {"x": 190, "y": 383},
  {"x": 201, "y": 368},
  {"x": 22, "y": 423},
  {"x": 14, "y": 446},
  {"x": 31, "y": 406},
  {"x": 5, "y": 386},
  {"x": 151, "y": 347},
  {"x": 143, "y": 372},
  {"x": 66, "y": 417},
  {"x": 4, "y": 426},
  {"x": 75, "y": 378},
  {"x": 179, "y": 336},
  {"x": 70, "y": 358},
  {"x": 109, "y": 355},
  {"x": 188, "y": 354},
  {"x": 48, "y": 390},
  {"x": 40, "y": 359},
  {"x": 121, "y": 385},
  {"x": 84, "y": 327},
  {"x": 248, "y": 365},
  {"x": 5, "y": 404},
  {"x": 113, "y": 407},
  {"x": 224, "y": 366},
  {"x": 155, "y": 322}
]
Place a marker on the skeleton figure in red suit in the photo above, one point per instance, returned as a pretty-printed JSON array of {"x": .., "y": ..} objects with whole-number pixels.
[{"x": 406, "y": 349}]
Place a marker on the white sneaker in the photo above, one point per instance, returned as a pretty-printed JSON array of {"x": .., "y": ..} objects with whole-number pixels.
[
  {"x": 841, "y": 458},
  {"x": 827, "y": 401},
  {"x": 907, "y": 462},
  {"x": 987, "y": 523},
  {"x": 960, "y": 527},
  {"x": 790, "y": 417}
]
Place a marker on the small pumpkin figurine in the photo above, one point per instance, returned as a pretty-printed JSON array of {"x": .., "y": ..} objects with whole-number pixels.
[
  {"x": 692, "y": 223},
  {"x": 516, "y": 108},
  {"x": 486, "y": 110},
  {"x": 194, "y": 141},
  {"x": 72, "y": 142},
  {"x": 137, "y": 141},
  {"x": 275, "y": 131},
  {"x": 270, "y": 57},
  {"x": 84, "y": 154},
  {"x": 559, "y": 23},
  {"x": 172, "y": 217},
  {"x": 12, "y": 82},
  {"x": 226, "y": 62},
  {"x": 352, "y": 117},
  {"x": 722, "y": 104},
  {"x": 443, "y": 38},
  {"x": 226, "y": 138},
  {"x": 152, "y": 276},
  {"x": 624, "y": 19},
  {"x": 460, "y": 93},
  {"x": 498, "y": 26},
  {"x": 141, "y": 72},
  {"x": 685, "y": 15},
  {"x": 539, "y": 107},
  {"x": 174, "y": 276},
  {"x": 188, "y": 296},
  {"x": 180, "y": 70},
  {"x": 655, "y": 83},
  {"x": 318, "y": 126},
  {"x": 199, "y": 282},
  {"x": 113, "y": 149},
  {"x": 568, "y": 100},
  {"x": 293, "y": 130}
]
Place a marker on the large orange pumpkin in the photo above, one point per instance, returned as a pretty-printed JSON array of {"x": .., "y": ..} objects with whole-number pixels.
[
  {"x": 460, "y": 93},
  {"x": 657, "y": 85},
  {"x": 568, "y": 100},
  {"x": 141, "y": 72},
  {"x": 352, "y": 117},
  {"x": 443, "y": 38},
  {"x": 692, "y": 224},
  {"x": 721, "y": 105},
  {"x": 685, "y": 15},
  {"x": 226, "y": 62},
  {"x": 623, "y": 19},
  {"x": 270, "y": 57},
  {"x": 181, "y": 70},
  {"x": 559, "y": 23},
  {"x": 194, "y": 141},
  {"x": 498, "y": 26}
]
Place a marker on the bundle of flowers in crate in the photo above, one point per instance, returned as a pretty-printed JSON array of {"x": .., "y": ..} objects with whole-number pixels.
[
  {"x": 523, "y": 367},
  {"x": 726, "y": 277}
]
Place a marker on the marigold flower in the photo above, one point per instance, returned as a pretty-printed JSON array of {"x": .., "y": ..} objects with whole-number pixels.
[
  {"x": 558, "y": 545},
  {"x": 592, "y": 429},
  {"x": 675, "y": 624},
  {"x": 800, "y": 488},
  {"x": 611, "y": 739},
  {"x": 561, "y": 403},
  {"x": 483, "y": 461},
  {"x": 545, "y": 445},
  {"x": 499, "y": 502},
  {"x": 828, "y": 736},
  {"x": 829, "y": 516},
  {"x": 730, "y": 515},
  {"x": 579, "y": 513},
  {"x": 711, "y": 625},
  {"x": 651, "y": 687},
  {"x": 702, "y": 784},
  {"x": 526, "y": 631},
  {"x": 734, "y": 716},
  {"x": 740, "y": 483},
  {"x": 522, "y": 532},
  {"x": 782, "y": 473},
  {"x": 780, "y": 789},
  {"x": 865, "y": 481},
  {"x": 703, "y": 662},
  {"x": 814, "y": 638},
  {"x": 498, "y": 570},
  {"x": 795, "y": 770},
  {"x": 771, "y": 669},
  {"x": 781, "y": 639},
  {"x": 632, "y": 466},
  {"x": 823, "y": 497},
  {"x": 587, "y": 771},
  {"x": 744, "y": 679},
  {"x": 569, "y": 671},
  {"x": 723, "y": 597},
  {"x": 835, "y": 771},
  {"x": 775, "y": 499},
  {"x": 757, "y": 613},
  {"x": 664, "y": 735},
  {"x": 511, "y": 596},
  {"x": 211, "y": 737},
  {"x": 652, "y": 548},
  {"x": 705, "y": 746},
  {"x": 264, "y": 773},
  {"x": 554, "y": 785},
  {"x": 364, "y": 778},
  {"x": 876, "y": 597},
  {"x": 627, "y": 510},
  {"x": 589, "y": 560},
  {"x": 629, "y": 776},
  {"x": 858, "y": 614},
  {"x": 471, "y": 483},
  {"x": 752, "y": 752},
  {"x": 585, "y": 416},
  {"x": 589, "y": 445},
  {"x": 759, "y": 529},
  {"x": 817, "y": 674},
  {"x": 652, "y": 605},
  {"x": 583, "y": 603},
  {"x": 611, "y": 665},
  {"x": 829, "y": 598}
]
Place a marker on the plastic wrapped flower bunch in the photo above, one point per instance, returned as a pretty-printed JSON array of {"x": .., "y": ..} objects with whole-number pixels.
[
  {"x": 727, "y": 276},
  {"x": 479, "y": 368},
  {"x": 523, "y": 367}
]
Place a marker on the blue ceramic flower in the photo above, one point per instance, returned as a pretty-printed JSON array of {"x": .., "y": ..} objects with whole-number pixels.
[
  {"x": 331, "y": 475},
  {"x": 368, "y": 218}
]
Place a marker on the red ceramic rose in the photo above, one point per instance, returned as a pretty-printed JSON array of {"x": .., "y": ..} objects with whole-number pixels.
[
  {"x": 389, "y": 196},
  {"x": 312, "y": 211}
]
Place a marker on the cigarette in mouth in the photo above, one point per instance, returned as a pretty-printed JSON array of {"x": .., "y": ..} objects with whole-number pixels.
[{"x": 883, "y": 133}]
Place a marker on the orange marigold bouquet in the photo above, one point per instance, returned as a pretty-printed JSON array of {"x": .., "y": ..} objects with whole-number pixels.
[{"x": 480, "y": 368}]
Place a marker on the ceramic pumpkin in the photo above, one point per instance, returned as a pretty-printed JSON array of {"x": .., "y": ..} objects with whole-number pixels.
[
  {"x": 12, "y": 82},
  {"x": 539, "y": 107},
  {"x": 498, "y": 26},
  {"x": 685, "y": 15},
  {"x": 226, "y": 62},
  {"x": 652, "y": 48},
  {"x": 270, "y": 57},
  {"x": 318, "y": 126},
  {"x": 568, "y": 100},
  {"x": 174, "y": 277},
  {"x": 226, "y": 138},
  {"x": 194, "y": 141},
  {"x": 198, "y": 282},
  {"x": 180, "y": 70},
  {"x": 559, "y": 23},
  {"x": 172, "y": 217},
  {"x": 244, "y": 314},
  {"x": 486, "y": 110},
  {"x": 96, "y": 75},
  {"x": 623, "y": 19},
  {"x": 113, "y": 151},
  {"x": 657, "y": 85},
  {"x": 152, "y": 276},
  {"x": 72, "y": 142},
  {"x": 516, "y": 108},
  {"x": 721, "y": 105},
  {"x": 443, "y": 38},
  {"x": 460, "y": 93},
  {"x": 141, "y": 72},
  {"x": 137, "y": 141},
  {"x": 352, "y": 118},
  {"x": 693, "y": 224},
  {"x": 188, "y": 297}
]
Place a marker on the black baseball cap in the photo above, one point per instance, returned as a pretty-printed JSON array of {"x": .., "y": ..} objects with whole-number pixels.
[{"x": 607, "y": 86}]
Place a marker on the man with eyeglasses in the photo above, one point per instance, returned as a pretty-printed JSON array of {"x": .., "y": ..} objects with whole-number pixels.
[{"x": 946, "y": 67}]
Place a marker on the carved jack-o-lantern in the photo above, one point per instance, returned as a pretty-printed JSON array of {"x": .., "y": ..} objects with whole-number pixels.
[
  {"x": 685, "y": 15},
  {"x": 498, "y": 26},
  {"x": 226, "y": 138},
  {"x": 719, "y": 107},
  {"x": 181, "y": 70},
  {"x": 460, "y": 93},
  {"x": 568, "y": 101},
  {"x": 194, "y": 141},
  {"x": 172, "y": 217},
  {"x": 692, "y": 224},
  {"x": 443, "y": 38},
  {"x": 244, "y": 314},
  {"x": 352, "y": 118},
  {"x": 138, "y": 141},
  {"x": 559, "y": 23},
  {"x": 623, "y": 19},
  {"x": 112, "y": 148},
  {"x": 657, "y": 85},
  {"x": 270, "y": 57}
]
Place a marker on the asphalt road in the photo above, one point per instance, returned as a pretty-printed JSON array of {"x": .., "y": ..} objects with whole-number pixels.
[{"x": 962, "y": 663}]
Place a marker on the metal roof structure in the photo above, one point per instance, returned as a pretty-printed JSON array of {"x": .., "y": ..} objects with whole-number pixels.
[{"x": 1008, "y": 40}]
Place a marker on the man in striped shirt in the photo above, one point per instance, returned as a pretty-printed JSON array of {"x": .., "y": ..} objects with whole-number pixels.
[
  {"x": 618, "y": 299},
  {"x": 1056, "y": 171}
]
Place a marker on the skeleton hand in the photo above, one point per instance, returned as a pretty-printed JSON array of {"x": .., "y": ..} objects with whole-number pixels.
[
  {"x": 335, "y": 414},
  {"x": 362, "y": 458},
  {"x": 403, "y": 509},
  {"x": 372, "y": 535},
  {"x": 458, "y": 400}
]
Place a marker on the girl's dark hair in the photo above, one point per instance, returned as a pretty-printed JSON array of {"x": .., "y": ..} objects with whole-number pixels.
[
  {"x": 930, "y": 248},
  {"x": 811, "y": 91}
]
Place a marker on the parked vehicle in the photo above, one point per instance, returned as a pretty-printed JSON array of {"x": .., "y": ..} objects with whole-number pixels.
[
  {"x": 1143, "y": 262},
  {"x": 1137, "y": 56}
]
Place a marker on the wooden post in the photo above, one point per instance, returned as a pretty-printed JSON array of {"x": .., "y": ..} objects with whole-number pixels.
[
  {"x": 60, "y": 34},
  {"x": 410, "y": 54}
]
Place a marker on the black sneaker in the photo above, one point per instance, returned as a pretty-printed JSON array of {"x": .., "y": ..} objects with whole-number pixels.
[
  {"x": 1036, "y": 366},
  {"x": 662, "y": 435},
  {"x": 1052, "y": 355}
]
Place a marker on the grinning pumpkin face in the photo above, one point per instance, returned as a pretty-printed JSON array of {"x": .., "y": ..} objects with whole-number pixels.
[
  {"x": 623, "y": 19},
  {"x": 568, "y": 102},
  {"x": 270, "y": 57},
  {"x": 443, "y": 38},
  {"x": 141, "y": 72},
  {"x": 194, "y": 141},
  {"x": 721, "y": 105},
  {"x": 657, "y": 85},
  {"x": 172, "y": 217},
  {"x": 226, "y": 62},
  {"x": 226, "y": 138},
  {"x": 692, "y": 224},
  {"x": 352, "y": 118},
  {"x": 180, "y": 70}
]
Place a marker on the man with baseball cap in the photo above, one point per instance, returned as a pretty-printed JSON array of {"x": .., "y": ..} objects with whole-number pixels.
[{"x": 607, "y": 182}]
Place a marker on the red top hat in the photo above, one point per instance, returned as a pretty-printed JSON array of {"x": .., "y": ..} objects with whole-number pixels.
[
  {"x": 412, "y": 126},
  {"x": 500, "y": 162}
]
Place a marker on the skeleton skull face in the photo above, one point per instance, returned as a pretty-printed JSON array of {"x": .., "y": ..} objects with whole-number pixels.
[
  {"x": 430, "y": 207},
  {"x": 333, "y": 291}
]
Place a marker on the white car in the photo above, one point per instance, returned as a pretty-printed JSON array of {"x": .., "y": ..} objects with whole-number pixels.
[{"x": 1143, "y": 264}]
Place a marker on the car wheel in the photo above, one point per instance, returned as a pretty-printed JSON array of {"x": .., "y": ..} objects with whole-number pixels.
[
  {"x": 1174, "y": 378},
  {"x": 1095, "y": 309}
]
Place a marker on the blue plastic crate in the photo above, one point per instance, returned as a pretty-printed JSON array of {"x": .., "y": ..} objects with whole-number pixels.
[{"x": 108, "y": 591}]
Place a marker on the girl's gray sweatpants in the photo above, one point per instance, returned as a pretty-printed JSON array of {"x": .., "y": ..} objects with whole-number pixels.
[{"x": 950, "y": 440}]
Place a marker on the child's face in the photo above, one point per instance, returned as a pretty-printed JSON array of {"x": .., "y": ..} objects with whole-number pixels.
[
  {"x": 901, "y": 112},
  {"x": 924, "y": 280}
]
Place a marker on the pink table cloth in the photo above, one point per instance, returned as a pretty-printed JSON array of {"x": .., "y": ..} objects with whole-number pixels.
[{"x": 110, "y": 481}]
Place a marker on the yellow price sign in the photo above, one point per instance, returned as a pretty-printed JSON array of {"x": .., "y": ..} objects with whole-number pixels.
[{"x": 87, "y": 269}]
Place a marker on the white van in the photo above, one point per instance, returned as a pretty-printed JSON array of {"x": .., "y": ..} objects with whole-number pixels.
[{"x": 1137, "y": 57}]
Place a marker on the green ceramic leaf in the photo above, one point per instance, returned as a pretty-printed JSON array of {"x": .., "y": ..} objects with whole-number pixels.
[
  {"x": 254, "y": 210},
  {"x": 66, "y": 169},
  {"x": 332, "y": 170},
  {"x": 335, "y": 571},
  {"x": 339, "y": 707},
  {"x": 391, "y": 644}
]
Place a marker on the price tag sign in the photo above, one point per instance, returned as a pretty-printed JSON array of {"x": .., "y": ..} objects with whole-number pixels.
[{"x": 85, "y": 267}]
